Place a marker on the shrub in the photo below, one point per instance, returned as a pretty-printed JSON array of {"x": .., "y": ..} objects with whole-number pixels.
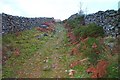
[
  {"x": 76, "y": 22},
  {"x": 81, "y": 31},
  {"x": 94, "y": 30},
  {"x": 93, "y": 53},
  {"x": 73, "y": 23},
  {"x": 90, "y": 30}
]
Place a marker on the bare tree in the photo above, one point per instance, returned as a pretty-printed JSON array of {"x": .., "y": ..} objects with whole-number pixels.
[{"x": 80, "y": 9}]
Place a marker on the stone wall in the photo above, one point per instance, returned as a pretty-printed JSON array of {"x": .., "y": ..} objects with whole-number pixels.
[
  {"x": 12, "y": 24},
  {"x": 0, "y": 24},
  {"x": 109, "y": 20}
]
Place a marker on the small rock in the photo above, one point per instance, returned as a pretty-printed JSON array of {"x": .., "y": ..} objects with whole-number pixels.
[
  {"x": 46, "y": 68},
  {"x": 71, "y": 72},
  {"x": 45, "y": 60},
  {"x": 54, "y": 66},
  {"x": 66, "y": 70},
  {"x": 45, "y": 34}
]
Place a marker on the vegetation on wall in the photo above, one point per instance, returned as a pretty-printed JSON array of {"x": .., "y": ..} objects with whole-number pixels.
[{"x": 92, "y": 44}]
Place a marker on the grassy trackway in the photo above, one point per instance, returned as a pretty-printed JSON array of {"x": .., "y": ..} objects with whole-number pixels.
[
  {"x": 48, "y": 57},
  {"x": 54, "y": 50}
]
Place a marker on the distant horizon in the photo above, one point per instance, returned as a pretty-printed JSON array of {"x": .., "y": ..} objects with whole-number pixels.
[{"x": 59, "y": 9}]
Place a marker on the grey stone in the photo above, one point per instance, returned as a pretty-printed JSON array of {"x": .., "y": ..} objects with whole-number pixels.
[
  {"x": 46, "y": 68},
  {"x": 109, "y": 20},
  {"x": 12, "y": 24},
  {"x": 45, "y": 34},
  {"x": 106, "y": 19}
]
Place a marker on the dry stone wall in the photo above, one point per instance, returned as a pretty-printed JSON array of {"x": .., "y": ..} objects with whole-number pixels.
[
  {"x": 109, "y": 20},
  {"x": 12, "y": 24}
]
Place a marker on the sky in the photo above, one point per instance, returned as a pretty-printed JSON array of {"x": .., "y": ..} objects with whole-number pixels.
[{"x": 59, "y": 9}]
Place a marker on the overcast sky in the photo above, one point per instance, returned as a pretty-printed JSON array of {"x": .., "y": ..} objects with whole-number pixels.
[{"x": 59, "y": 9}]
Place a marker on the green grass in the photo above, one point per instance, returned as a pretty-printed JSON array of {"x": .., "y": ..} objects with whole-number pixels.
[
  {"x": 89, "y": 51},
  {"x": 80, "y": 71},
  {"x": 33, "y": 50},
  {"x": 27, "y": 43},
  {"x": 113, "y": 70}
]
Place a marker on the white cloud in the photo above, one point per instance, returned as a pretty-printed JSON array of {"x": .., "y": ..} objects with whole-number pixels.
[
  {"x": 10, "y": 7},
  {"x": 53, "y": 8}
]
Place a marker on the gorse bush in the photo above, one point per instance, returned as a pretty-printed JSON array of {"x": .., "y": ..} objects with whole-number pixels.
[
  {"x": 95, "y": 30},
  {"x": 91, "y": 30}
]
